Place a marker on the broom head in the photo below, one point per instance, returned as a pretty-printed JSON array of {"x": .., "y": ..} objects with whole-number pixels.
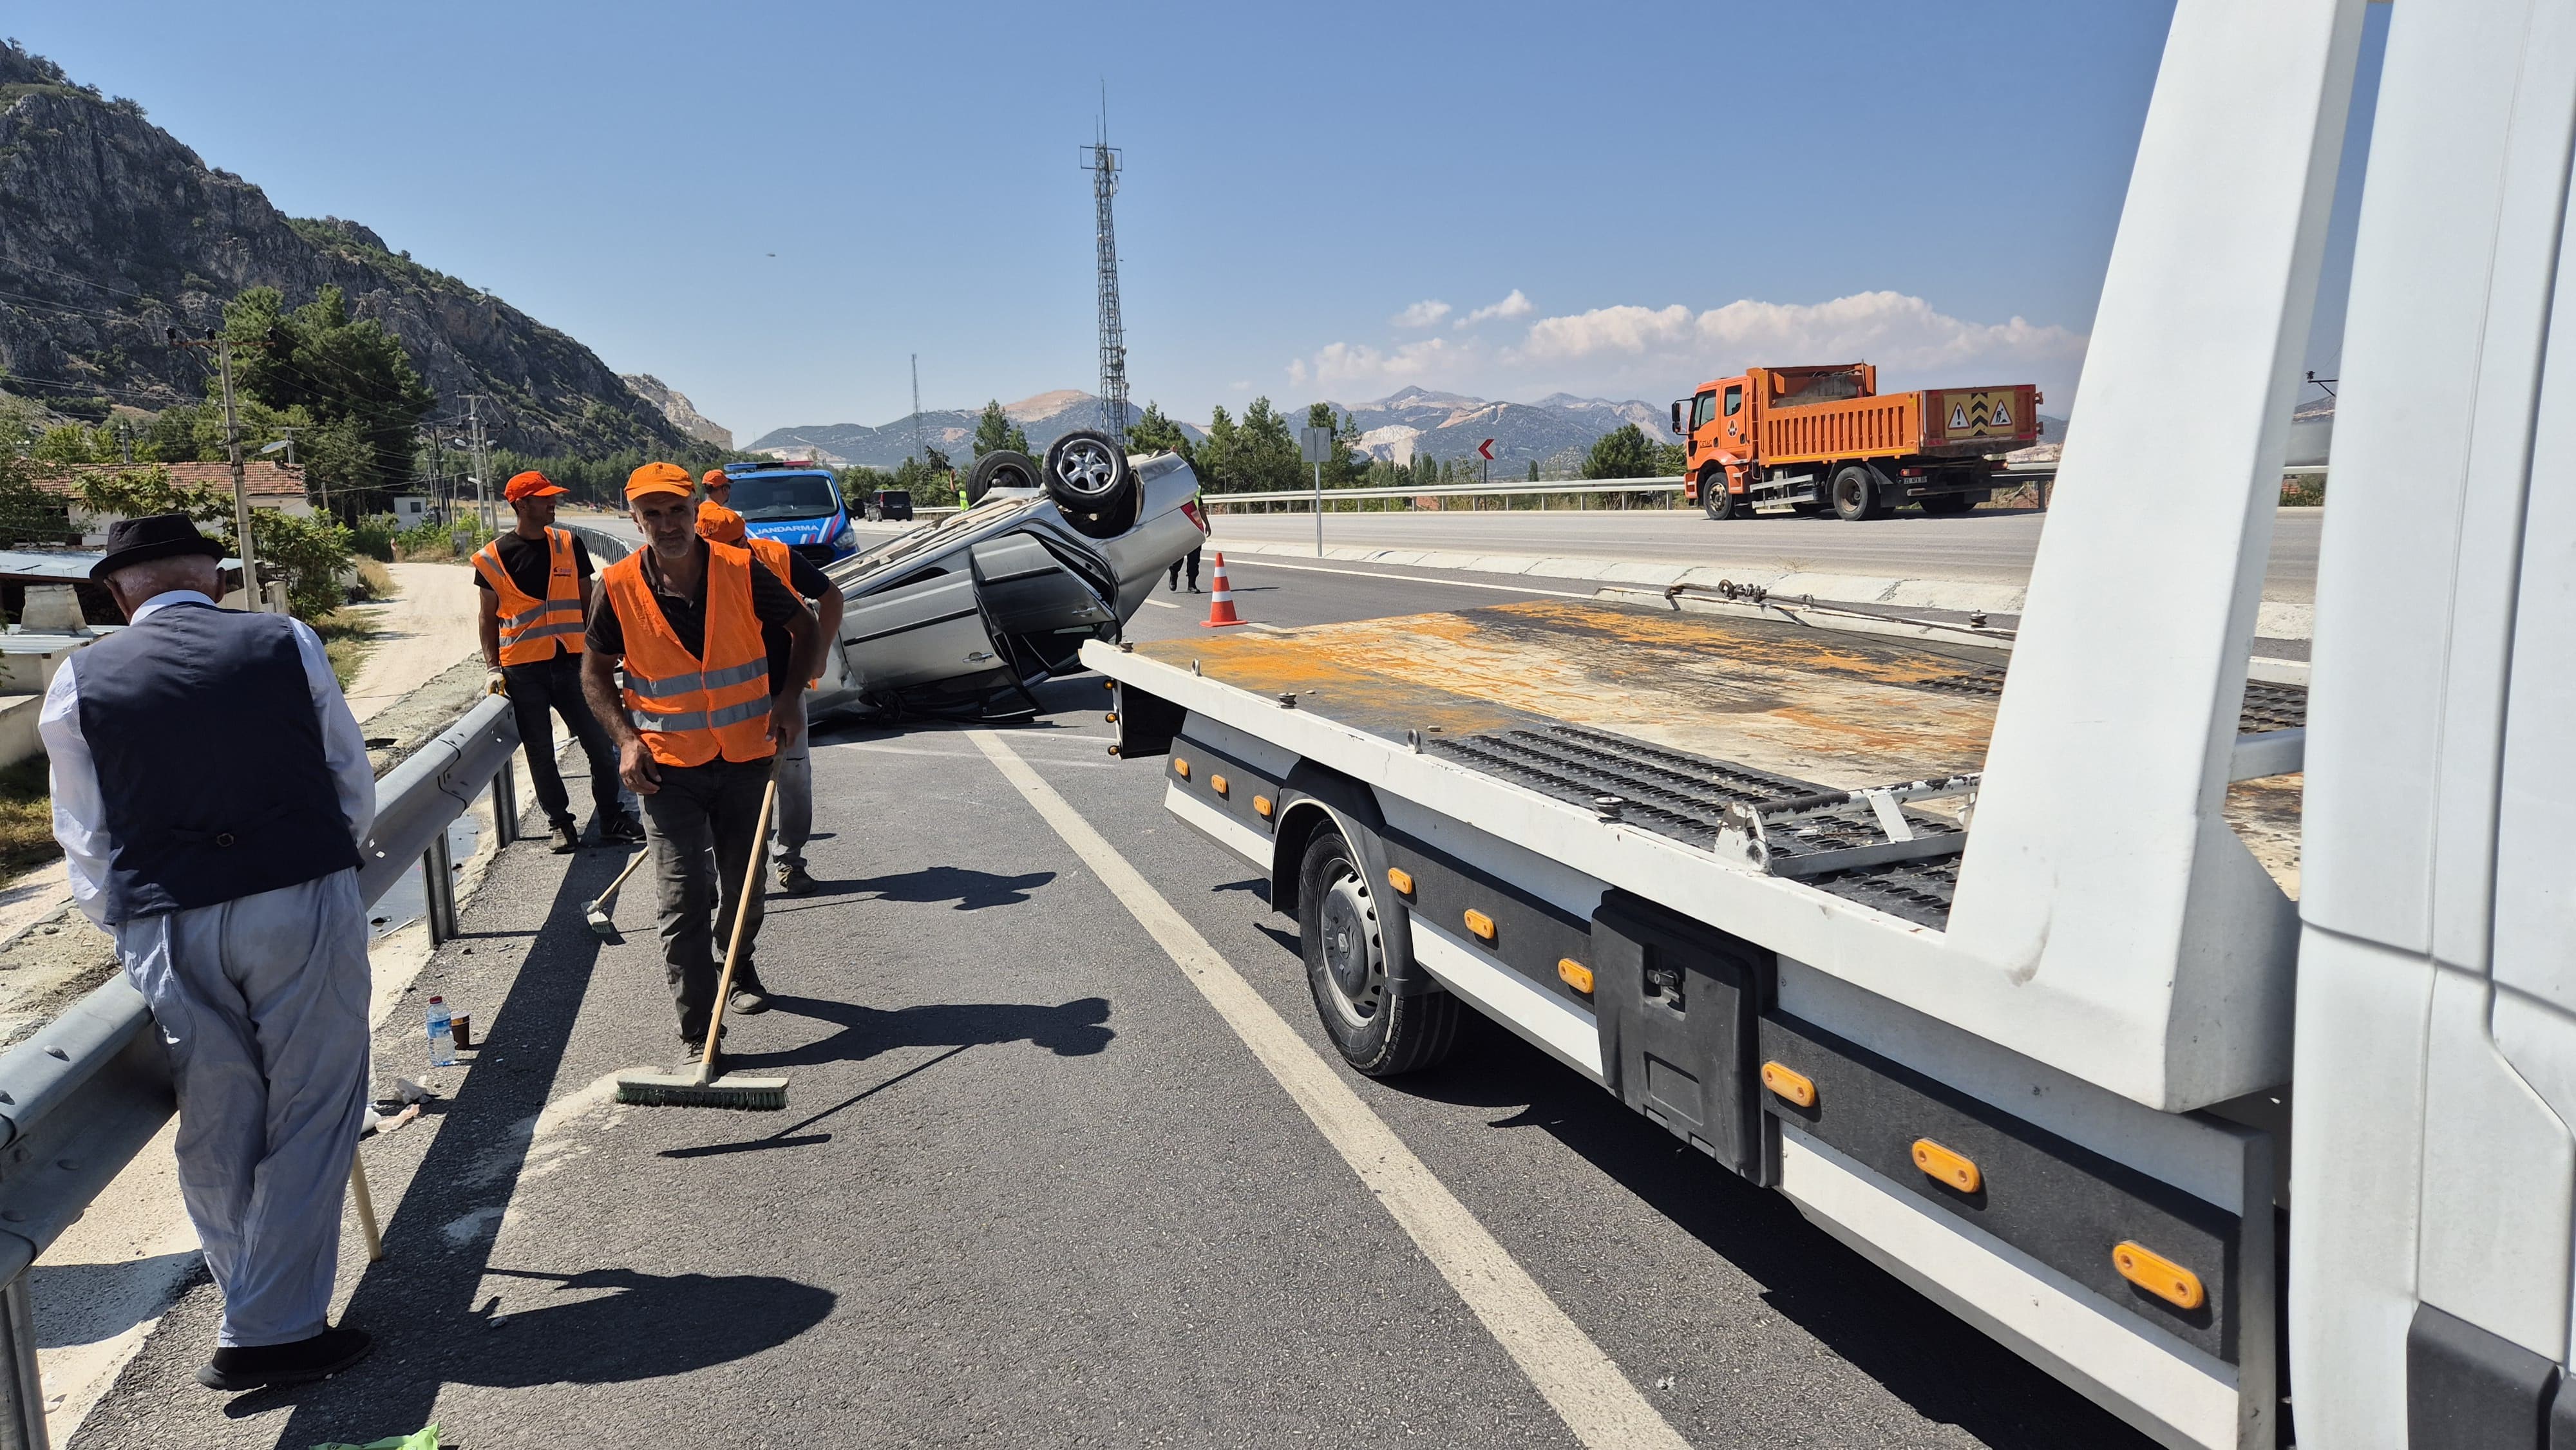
[{"x": 685, "y": 1090}]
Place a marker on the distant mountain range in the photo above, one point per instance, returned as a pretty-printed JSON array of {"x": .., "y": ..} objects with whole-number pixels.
[
  {"x": 1553, "y": 432},
  {"x": 1045, "y": 418}
]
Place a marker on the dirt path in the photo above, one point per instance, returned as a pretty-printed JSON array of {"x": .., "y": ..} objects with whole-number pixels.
[{"x": 420, "y": 632}]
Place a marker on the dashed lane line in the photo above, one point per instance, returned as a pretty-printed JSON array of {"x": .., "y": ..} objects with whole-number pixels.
[{"x": 1579, "y": 1382}]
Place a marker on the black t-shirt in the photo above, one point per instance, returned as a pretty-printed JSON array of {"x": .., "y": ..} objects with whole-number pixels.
[
  {"x": 527, "y": 563},
  {"x": 771, "y": 604},
  {"x": 805, "y": 576}
]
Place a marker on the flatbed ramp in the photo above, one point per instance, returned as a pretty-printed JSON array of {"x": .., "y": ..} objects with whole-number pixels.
[{"x": 1670, "y": 718}]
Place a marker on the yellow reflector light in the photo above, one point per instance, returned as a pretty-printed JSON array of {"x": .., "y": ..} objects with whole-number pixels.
[
  {"x": 1795, "y": 1087},
  {"x": 1261, "y": 806},
  {"x": 1481, "y": 924},
  {"x": 1950, "y": 1167},
  {"x": 1400, "y": 879},
  {"x": 1180, "y": 767},
  {"x": 1109, "y": 719},
  {"x": 2158, "y": 1275},
  {"x": 1574, "y": 974}
]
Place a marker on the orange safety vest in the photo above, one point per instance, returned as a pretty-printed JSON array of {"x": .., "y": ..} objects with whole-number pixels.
[
  {"x": 691, "y": 710},
  {"x": 777, "y": 555},
  {"x": 529, "y": 624}
]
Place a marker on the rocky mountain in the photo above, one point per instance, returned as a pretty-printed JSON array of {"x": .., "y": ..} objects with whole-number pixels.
[
  {"x": 1045, "y": 418},
  {"x": 112, "y": 232},
  {"x": 1553, "y": 432},
  {"x": 675, "y": 405}
]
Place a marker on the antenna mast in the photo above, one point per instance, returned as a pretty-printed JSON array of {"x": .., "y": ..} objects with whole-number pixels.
[{"x": 1102, "y": 163}]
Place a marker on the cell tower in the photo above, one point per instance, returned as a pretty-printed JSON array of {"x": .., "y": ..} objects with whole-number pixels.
[
  {"x": 1101, "y": 160},
  {"x": 920, "y": 450}
]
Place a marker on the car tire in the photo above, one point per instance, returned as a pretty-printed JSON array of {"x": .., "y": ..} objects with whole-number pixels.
[
  {"x": 1086, "y": 473},
  {"x": 1854, "y": 492},
  {"x": 1379, "y": 1031},
  {"x": 1001, "y": 468},
  {"x": 1720, "y": 504}
]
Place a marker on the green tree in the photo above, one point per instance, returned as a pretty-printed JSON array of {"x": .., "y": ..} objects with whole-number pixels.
[
  {"x": 311, "y": 552},
  {"x": 994, "y": 429},
  {"x": 1215, "y": 461},
  {"x": 340, "y": 371},
  {"x": 1533, "y": 473},
  {"x": 1267, "y": 458},
  {"x": 1620, "y": 453},
  {"x": 1348, "y": 467},
  {"x": 1152, "y": 432},
  {"x": 1426, "y": 471}
]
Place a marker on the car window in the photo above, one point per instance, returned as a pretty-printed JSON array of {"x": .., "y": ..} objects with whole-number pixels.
[
  {"x": 783, "y": 495},
  {"x": 1704, "y": 409},
  {"x": 1734, "y": 400}
]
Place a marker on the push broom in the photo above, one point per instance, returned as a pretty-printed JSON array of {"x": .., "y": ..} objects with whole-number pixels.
[
  {"x": 702, "y": 1088},
  {"x": 600, "y": 923}
]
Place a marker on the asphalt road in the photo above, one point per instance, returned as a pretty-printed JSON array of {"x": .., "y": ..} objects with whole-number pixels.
[
  {"x": 1987, "y": 546},
  {"x": 1031, "y": 1188}
]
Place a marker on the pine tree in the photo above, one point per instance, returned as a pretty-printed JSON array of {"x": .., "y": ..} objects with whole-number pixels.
[{"x": 994, "y": 429}]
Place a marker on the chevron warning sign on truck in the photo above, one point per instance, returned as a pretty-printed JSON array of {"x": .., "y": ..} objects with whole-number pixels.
[{"x": 1982, "y": 414}]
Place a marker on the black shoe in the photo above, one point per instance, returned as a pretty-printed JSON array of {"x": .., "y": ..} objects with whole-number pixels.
[
  {"x": 567, "y": 838},
  {"x": 793, "y": 880},
  {"x": 749, "y": 998},
  {"x": 621, "y": 827},
  {"x": 248, "y": 1367}
]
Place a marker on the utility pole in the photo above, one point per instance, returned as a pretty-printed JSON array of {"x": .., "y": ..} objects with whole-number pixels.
[
  {"x": 232, "y": 448},
  {"x": 482, "y": 464},
  {"x": 1102, "y": 163}
]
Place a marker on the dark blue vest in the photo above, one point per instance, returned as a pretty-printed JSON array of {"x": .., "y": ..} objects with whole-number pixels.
[{"x": 210, "y": 761}]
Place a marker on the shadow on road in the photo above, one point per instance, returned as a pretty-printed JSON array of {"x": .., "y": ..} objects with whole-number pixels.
[
  {"x": 971, "y": 890},
  {"x": 794, "y": 1134},
  {"x": 1075, "y": 1029}
]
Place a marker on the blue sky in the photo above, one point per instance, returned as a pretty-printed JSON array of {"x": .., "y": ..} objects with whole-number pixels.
[{"x": 1636, "y": 196}]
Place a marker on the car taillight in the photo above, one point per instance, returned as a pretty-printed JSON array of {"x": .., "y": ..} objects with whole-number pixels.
[{"x": 1190, "y": 507}]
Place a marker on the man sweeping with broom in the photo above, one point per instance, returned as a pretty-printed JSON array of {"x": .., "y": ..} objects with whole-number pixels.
[{"x": 704, "y": 631}]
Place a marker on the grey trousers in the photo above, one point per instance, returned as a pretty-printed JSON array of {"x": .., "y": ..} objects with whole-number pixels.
[
  {"x": 795, "y": 813},
  {"x": 263, "y": 1002},
  {"x": 700, "y": 809}
]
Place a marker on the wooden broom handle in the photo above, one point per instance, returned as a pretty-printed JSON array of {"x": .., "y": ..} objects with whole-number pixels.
[{"x": 751, "y": 886}]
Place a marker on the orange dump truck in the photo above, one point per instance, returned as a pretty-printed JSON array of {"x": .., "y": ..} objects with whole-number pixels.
[{"x": 1813, "y": 438}]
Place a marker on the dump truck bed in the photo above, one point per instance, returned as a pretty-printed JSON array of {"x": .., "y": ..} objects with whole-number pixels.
[{"x": 1678, "y": 715}]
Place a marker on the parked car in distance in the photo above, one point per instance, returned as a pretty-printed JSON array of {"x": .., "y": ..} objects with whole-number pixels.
[
  {"x": 889, "y": 503},
  {"x": 797, "y": 503},
  {"x": 965, "y": 616}
]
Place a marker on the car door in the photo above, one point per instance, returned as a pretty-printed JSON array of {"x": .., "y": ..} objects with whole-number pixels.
[{"x": 921, "y": 630}]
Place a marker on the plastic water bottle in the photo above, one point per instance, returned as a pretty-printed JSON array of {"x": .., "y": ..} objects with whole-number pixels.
[{"x": 442, "y": 1045}]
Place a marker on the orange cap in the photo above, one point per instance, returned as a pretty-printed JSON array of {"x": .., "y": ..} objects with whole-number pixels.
[
  {"x": 718, "y": 523},
  {"x": 658, "y": 478},
  {"x": 530, "y": 484},
  {"x": 715, "y": 476}
]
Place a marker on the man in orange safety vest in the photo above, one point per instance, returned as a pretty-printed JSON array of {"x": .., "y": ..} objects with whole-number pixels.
[
  {"x": 719, "y": 524},
  {"x": 717, "y": 652}
]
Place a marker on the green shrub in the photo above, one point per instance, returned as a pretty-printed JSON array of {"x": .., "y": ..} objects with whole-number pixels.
[{"x": 373, "y": 536}]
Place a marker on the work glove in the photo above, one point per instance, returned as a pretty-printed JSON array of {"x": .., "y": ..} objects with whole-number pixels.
[{"x": 496, "y": 683}]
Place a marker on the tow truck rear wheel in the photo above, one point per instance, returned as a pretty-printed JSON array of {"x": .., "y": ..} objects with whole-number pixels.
[
  {"x": 1854, "y": 492},
  {"x": 1378, "y": 1031}
]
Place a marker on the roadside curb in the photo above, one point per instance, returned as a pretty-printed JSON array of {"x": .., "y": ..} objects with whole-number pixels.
[{"x": 2276, "y": 619}]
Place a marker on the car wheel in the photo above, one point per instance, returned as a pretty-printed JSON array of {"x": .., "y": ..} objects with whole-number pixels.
[
  {"x": 1719, "y": 503},
  {"x": 1378, "y": 1031},
  {"x": 1001, "y": 468},
  {"x": 1087, "y": 473},
  {"x": 1855, "y": 493}
]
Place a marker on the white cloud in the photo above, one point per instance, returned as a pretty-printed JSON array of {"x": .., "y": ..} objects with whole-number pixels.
[
  {"x": 1515, "y": 305},
  {"x": 1891, "y": 329},
  {"x": 1343, "y": 362},
  {"x": 1420, "y": 314}
]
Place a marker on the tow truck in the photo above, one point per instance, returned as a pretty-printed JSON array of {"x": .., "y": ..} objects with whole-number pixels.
[{"x": 2202, "y": 1028}]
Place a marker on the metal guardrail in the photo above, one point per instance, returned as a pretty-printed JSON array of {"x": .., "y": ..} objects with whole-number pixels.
[
  {"x": 92, "y": 1088},
  {"x": 2017, "y": 472}
]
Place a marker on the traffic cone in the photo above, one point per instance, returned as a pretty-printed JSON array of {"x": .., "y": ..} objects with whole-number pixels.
[{"x": 1220, "y": 601}]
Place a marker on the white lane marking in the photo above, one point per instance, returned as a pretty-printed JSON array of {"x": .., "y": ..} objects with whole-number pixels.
[
  {"x": 1256, "y": 561},
  {"x": 960, "y": 754},
  {"x": 1162, "y": 604},
  {"x": 1585, "y": 1388}
]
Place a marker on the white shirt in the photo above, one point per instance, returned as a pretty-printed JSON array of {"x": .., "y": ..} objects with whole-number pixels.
[{"x": 80, "y": 814}]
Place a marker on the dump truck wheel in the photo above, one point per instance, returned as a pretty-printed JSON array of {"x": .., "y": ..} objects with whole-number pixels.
[
  {"x": 1378, "y": 1031},
  {"x": 1001, "y": 468},
  {"x": 1087, "y": 473},
  {"x": 1720, "y": 504},
  {"x": 1855, "y": 493}
]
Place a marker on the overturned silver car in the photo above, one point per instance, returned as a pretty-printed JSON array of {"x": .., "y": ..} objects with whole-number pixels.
[{"x": 967, "y": 615}]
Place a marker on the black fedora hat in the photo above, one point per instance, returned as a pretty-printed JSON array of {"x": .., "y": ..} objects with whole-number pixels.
[{"x": 153, "y": 536}]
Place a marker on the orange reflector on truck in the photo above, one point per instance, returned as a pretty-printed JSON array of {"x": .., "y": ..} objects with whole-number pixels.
[
  {"x": 1400, "y": 879},
  {"x": 1261, "y": 806},
  {"x": 1482, "y": 925},
  {"x": 1180, "y": 767},
  {"x": 2158, "y": 1275},
  {"x": 1217, "y": 783},
  {"x": 1109, "y": 719},
  {"x": 1949, "y": 1167},
  {"x": 1574, "y": 974},
  {"x": 1793, "y": 1087}
]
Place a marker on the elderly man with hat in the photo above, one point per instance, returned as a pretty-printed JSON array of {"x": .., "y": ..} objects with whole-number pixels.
[
  {"x": 721, "y": 525},
  {"x": 716, "y": 653},
  {"x": 535, "y": 583},
  {"x": 210, "y": 794}
]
